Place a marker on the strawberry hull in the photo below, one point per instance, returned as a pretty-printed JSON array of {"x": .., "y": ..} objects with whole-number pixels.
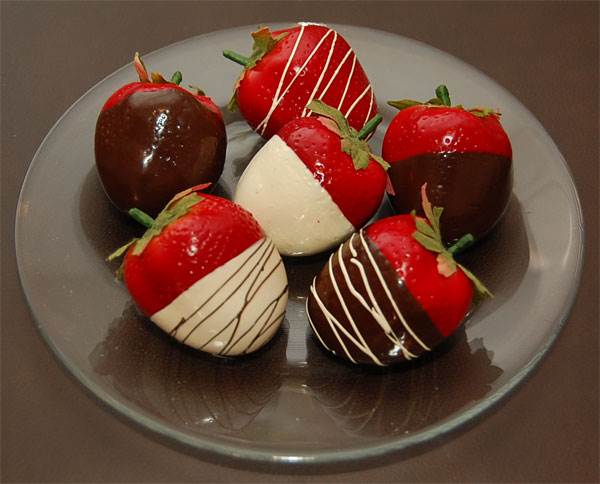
[{"x": 310, "y": 62}]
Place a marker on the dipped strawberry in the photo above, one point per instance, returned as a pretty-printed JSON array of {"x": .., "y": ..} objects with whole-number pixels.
[
  {"x": 289, "y": 68},
  {"x": 154, "y": 139},
  {"x": 206, "y": 274},
  {"x": 392, "y": 292},
  {"x": 314, "y": 182},
  {"x": 464, "y": 155}
]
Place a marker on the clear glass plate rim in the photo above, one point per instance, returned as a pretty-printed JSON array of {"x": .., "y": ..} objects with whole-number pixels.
[{"x": 211, "y": 445}]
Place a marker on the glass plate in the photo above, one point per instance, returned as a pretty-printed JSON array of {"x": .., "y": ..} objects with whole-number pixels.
[{"x": 291, "y": 402}]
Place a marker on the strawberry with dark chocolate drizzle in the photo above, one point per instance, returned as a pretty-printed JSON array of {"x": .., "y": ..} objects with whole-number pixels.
[
  {"x": 463, "y": 154},
  {"x": 392, "y": 292},
  {"x": 154, "y": 139},
  {"x": 289, "y": 68},
  {"x": 206, "y": 274}
]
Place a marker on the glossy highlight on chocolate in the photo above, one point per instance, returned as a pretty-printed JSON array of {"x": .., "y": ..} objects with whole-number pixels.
[
  {"x": 473, "y": 188},
  {"x": 155, "y": 143}
]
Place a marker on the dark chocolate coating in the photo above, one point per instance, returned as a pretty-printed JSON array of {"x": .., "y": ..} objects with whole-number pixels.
[
  {"x": 473, "y": 188},
  {"x": 154, "y": 144},
  {"x": 386, "y": 349}
]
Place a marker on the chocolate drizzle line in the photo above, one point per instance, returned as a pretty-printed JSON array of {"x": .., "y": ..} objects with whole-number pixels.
[
  {"x": 257, "y": 276},
  {"x": 359, "y": 309}
]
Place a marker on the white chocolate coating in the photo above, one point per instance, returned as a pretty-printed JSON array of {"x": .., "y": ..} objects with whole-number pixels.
[
  {"x": 236, "y": 309},
  {"x": 296, "y": 213}
]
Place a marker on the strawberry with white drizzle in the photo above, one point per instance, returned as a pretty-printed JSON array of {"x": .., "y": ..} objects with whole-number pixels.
[
  {"x": 314, "y": 182},
  {"x": 206, "y": 274},
  {"x": 393, "y": 291},
  {"x": 291, "y": 67}
]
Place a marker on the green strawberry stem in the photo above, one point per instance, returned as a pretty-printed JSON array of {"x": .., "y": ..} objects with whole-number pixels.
[
  {"x": 358, "y": 149},
  {"x": 153, "y": 77},
  {"x": 140, "y": 68},
  {"x": 141, "y": 217},
  {"x": 176, "y": 78},
  {"x": 179, "y": 205},
  {"x": 370, "y": 126},
  {"x": 235, "y": 57},
  {"x": 462, "y": 244},
  {"x": 443, "y": 95},
  {"x": 429, "y": 235},
  {"x": 442, "y": 99}
]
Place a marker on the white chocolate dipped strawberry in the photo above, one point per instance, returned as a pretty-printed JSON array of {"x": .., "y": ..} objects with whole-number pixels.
[
  {"x": 205, "y": 273},
  {"x": 314, "y": 182}
]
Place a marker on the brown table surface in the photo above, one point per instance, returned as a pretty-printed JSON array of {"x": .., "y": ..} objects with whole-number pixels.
[{"x": 544, "y": 53}]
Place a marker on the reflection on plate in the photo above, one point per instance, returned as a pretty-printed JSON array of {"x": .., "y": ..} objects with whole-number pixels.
[
  {"x": 223, "y": 395},
  {"x": 291, "y": 402}
]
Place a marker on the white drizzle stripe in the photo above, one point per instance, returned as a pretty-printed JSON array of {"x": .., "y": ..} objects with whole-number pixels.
[
  {"x": 277, "y": 99},
  {"x": 389, "y": 295},
  {"x": 337, "y": 71},
  {"x": 364, "y": 347},
  {"x": 323, "y": 72},
  {"x": 343, "y": 98},
  {"x": 224, "y": 312},
  {"x": 333, "y": 323},
  {"x": 387, "y": 328},
  {"x": 357, "y": 101},
  {"x": 370, "y": 108},
  {"x": 375, "y": 311},
  {"x": 379, "y": 316}
]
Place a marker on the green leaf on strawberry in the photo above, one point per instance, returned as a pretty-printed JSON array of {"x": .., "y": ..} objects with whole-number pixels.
[
  {"x": 264, "y": 41},
  {"x": 429, "y": 235},
  {"x": 353, "y": 142},
  {"x": 442, "y": 99},
  {"x": 179, "y": 205},
  {"x": 168, "y": 215}
]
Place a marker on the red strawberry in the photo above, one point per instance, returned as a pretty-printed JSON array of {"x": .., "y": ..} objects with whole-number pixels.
[
  {"x": 314, "y": 183},
  {"x": 464, "y": 155},
  {"x": 205, "y": 273},
  {"x": 392, "y": 292},
  {"x": 154, "y": 139},
  {"x": 289, "y": 68}
]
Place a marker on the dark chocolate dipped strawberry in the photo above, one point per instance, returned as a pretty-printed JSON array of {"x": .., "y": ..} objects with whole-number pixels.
[
  {"x": 206, "y": 274},
  {"x": 464, "y": 155},
  {"x": 314, "y": 182},
  {"x": 154, "y": 139},
  {"x": 392, "y": 292},
  {"x": 289, "y": 68}
]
